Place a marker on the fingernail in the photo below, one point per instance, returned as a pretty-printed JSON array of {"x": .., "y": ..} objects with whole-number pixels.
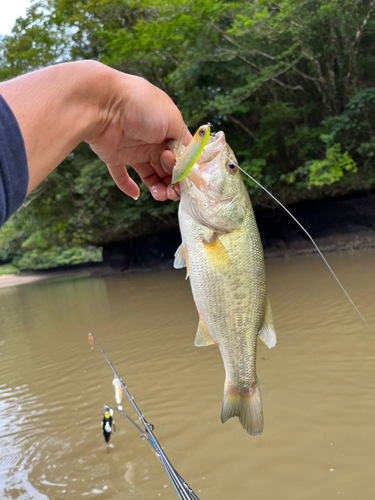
[{"x": 135, "y": 198}]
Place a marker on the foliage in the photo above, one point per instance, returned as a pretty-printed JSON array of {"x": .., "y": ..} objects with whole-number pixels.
[
  {"x": 8, "y": 269},
  {"x": 323, "y": 172},
  {"x": 38, "y": 40},
  {"x": 35, "y": 259},
  {"x": 10, "y": 238},
  {"x": 332, "y": 168},
  {"x": 291, "y": 83}
]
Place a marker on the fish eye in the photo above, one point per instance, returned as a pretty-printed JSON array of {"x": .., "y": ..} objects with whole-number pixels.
[
  {"x": 202, "y": 132},
  {"x": 231, "y": 166}
]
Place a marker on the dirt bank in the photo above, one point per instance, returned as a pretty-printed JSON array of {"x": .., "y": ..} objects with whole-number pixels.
[
  {"x": 335, "y": 224},
  {"x": 8, "y": 280}
]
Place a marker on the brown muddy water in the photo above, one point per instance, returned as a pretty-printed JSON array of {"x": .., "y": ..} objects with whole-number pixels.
[{"x": 318, "y": 389}]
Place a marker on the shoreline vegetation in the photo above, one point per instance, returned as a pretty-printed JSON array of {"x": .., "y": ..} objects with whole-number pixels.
[
  {"x": 350, "y": 229},
  {"x": 327, "y": 245},
  {"x": 291, "y": 84}
]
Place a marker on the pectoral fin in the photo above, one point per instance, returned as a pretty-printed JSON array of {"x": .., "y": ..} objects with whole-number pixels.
[
  {"x": 267, "y": 330},
  {"x": 181, "y": 259},
  {"x": 202, "y": 338},
  {"x": 217, "y": 254}
]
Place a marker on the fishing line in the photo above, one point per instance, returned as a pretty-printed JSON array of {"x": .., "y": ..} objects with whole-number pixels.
[
  {"x": 311, "y": 239},
  {"x": 143, "y": 435},
  {"x": 182, "y": 489}
]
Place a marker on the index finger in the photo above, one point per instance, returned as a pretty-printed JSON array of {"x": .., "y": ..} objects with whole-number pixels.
[{"x": 151, "y": 179}]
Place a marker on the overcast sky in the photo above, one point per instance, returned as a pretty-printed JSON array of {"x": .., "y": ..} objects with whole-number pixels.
[{"x": 9, "y": 11}]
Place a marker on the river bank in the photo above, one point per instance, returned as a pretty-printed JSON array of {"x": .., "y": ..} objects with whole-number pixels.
[
  {"x": 24, "y": 278},
  {"x": 337, "y": 225},
  {"x": 332, "y": 243}
]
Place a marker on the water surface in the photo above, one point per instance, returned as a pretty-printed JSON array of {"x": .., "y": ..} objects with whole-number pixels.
[{"x": 317, "y": 385}]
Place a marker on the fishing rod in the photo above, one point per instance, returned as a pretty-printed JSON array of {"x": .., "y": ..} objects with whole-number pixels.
[
  {"x": 170, "y": 470},
  {"x": 182, "y": 489}
]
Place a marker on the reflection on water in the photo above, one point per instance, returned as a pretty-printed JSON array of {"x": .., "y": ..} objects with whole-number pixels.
[{"x": 317, "y": 386}]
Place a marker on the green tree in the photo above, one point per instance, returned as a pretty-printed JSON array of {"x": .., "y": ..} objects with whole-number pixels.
[{"x": 291, "y": 83}]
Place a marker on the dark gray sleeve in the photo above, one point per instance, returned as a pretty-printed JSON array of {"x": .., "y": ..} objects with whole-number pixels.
[{"x": 14, "y": 173}]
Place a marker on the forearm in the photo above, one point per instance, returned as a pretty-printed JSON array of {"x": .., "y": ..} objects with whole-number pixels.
[{"x": 56, "y": 109}]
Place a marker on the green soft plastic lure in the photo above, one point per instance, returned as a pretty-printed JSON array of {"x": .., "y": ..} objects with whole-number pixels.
[{"x": 191, "y": 153}]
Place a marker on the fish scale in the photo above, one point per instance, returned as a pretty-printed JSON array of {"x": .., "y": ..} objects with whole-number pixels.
[{"x": 223, "y": 253}]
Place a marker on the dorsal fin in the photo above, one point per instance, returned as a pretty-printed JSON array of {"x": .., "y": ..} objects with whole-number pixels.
[{"x": 312, "y": 241}]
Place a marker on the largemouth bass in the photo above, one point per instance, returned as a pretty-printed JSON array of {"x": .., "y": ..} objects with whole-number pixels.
[{"x": 222, "y": 252}]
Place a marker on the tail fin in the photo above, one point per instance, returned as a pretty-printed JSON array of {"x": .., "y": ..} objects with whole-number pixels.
[{"x": 247, "y": 406}]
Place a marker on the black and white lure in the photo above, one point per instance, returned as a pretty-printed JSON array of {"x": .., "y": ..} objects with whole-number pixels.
[{"x": 107, "y": 422}]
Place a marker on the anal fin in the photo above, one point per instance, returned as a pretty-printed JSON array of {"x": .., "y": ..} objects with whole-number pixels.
[{"x": 202, "y": 338}]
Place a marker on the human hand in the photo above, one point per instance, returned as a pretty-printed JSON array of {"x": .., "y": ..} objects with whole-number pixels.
[
  {"x": 124, "y": 118},
  {"x": 139, "y": 120}
]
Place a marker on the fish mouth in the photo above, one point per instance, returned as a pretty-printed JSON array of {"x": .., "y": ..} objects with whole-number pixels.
[
  {"x": 216, "y": 143},
  {"x": 215, "y": 137},
  {"x": 199, "y": 177}
]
